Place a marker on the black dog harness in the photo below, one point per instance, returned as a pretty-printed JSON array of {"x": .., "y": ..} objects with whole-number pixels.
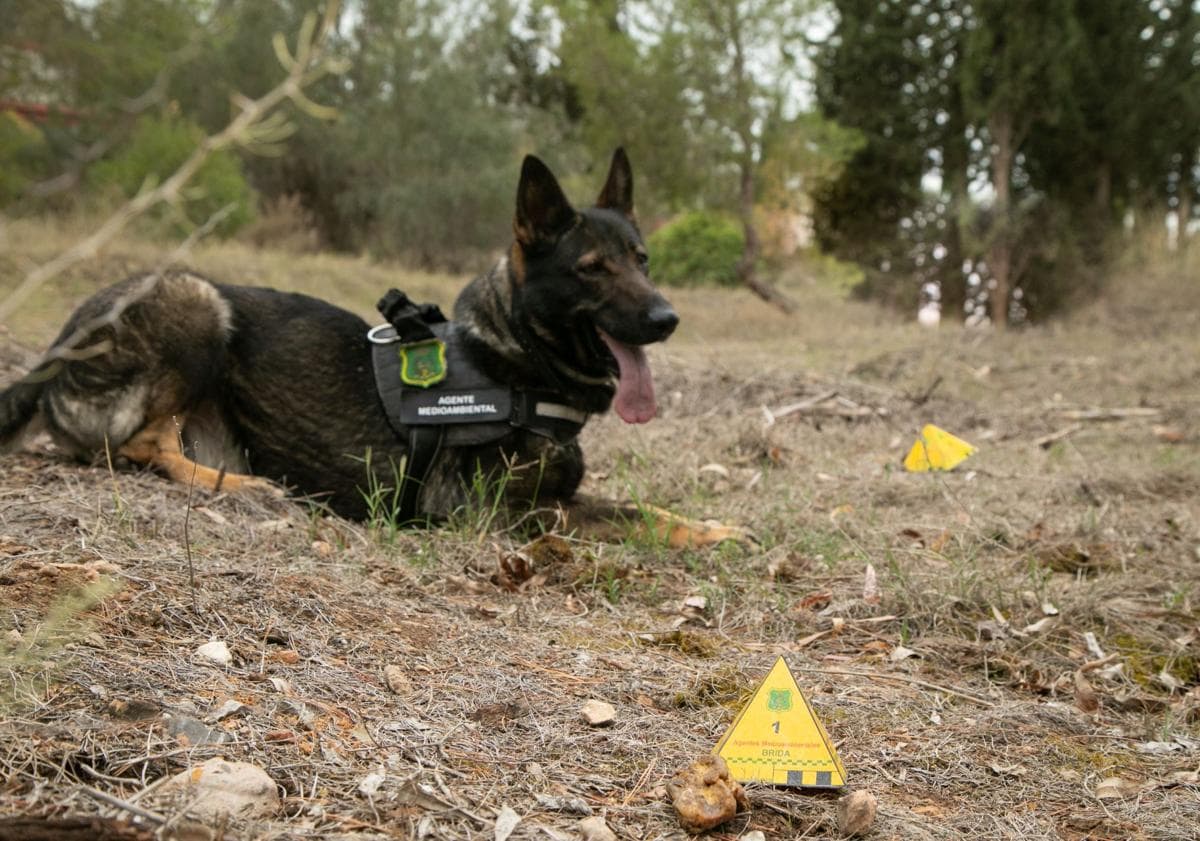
[{"x": 435, "y": 396}]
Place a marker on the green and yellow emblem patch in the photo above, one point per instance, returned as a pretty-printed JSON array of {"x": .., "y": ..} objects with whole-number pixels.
[{"x": 423, "y": 363}]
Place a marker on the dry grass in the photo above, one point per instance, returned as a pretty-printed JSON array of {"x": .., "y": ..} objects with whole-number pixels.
[{"x": 980, "y": 734}]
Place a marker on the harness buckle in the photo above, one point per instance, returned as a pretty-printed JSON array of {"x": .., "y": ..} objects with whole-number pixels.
[{"x": 378, "y": 335}]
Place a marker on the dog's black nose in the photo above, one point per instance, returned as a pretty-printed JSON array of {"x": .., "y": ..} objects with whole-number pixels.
[{"x": 662, "y": 319}]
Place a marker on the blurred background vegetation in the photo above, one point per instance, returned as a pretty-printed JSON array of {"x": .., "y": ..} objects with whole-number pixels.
[{"x": 995, "y": 154}]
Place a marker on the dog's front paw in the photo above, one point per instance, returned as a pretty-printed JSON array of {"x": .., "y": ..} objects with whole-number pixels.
[
  {"x": 681, "y": 532},
  {"x": 240, "y": 483}
]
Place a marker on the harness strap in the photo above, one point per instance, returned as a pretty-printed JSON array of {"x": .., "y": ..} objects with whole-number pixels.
[
  {"x": 424, "y": 442},
  {"x": 468, "y": 409}
]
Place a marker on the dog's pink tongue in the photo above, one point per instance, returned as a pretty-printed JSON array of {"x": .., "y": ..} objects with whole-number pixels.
[{"x": 635, "y": 384}]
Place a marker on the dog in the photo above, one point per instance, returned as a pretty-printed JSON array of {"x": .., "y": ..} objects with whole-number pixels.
[{"x": 233, "y": 388}]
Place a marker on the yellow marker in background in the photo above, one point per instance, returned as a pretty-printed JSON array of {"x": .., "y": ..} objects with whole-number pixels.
[
  {"x": 936, "y": 449},
  {"x": 777, "y": 739}
]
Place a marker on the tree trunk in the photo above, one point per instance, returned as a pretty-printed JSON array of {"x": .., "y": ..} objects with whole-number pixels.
[
  {"x": 751, "y": 247},
  {"x": 1184, "y": 211},
  {"x": 955, "y": 160},
  {"x": 1000, "y": 125}
]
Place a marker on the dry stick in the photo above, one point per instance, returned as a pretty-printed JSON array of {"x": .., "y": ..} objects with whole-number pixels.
[
  {"x": 156, "y": 94},
  {"x": 1109, "y": 414},
  {"x": 902, "y": 679},
  {"x": 307, "y": 66},
  {"x": 125, "y": 805},
  {"x": 187, "y": 538},
  {"x": 1046, "y": 440},
  {"x": 802, "y": 406}
]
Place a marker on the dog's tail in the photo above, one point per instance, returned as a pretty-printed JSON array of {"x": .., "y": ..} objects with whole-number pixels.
[{"x": 18, "y": 406}]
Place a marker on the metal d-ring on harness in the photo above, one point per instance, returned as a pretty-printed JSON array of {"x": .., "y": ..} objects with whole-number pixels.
[{"x": 434, "y": 395}]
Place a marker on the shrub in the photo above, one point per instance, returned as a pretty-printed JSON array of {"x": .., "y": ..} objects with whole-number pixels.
[
  {"x": 158, "y": 146},
  {"x": 22, "y": 152},
  {"x": 695, "y": 249}
]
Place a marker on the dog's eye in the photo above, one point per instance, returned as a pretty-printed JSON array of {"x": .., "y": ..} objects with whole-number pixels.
[
  {"x": 594, "y": 266},
  {"x": 643, "y": 260}
]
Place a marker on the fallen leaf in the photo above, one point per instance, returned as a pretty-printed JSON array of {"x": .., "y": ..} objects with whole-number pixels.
[
  {"x": 1115, "y": 788},
  {"x": 369, "y": 785},
  {"x": 1169, "y": 681},
  {"x": 512, "y": 570},
  {"x": 1168, "y": 434},
  {"x": 901, "y": 653},
  {"x": 696, "y": 603},
  {"x": 557, "y": 803},
  {"x": 815, "y": 601},
  {"x": 412, "y": 793},
  {"x": 1085, "y": 696},
  {"x": 498, "y": 714},
  {"x": 870, "y": 585},
  {"x": 1158, "y": 748},
  {"x": 1039, "y": 626},
  {"x": 939, "y": 542}
]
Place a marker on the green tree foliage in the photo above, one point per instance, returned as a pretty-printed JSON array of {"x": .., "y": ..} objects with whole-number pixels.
[
  {"x": 867, "y": 77},
  {"x": 697, "y": 248},
  {"x": 156, "y": 149},
  {"x": 22, "y": 153},
  {"x": 1045, "y": 123}
]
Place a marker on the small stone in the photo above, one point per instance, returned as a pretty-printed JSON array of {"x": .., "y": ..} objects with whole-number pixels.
[
  {"x": 397, "y": 680},
  {"x": 370, "y": 784},
  {"x": 223, "y": 788},
  {"x": 754, "y": 835},
  {"x": 595, "y": 829},
  {"x": 598, "y": 713},
  {"x": 189, "y": 732},
  {"x": 506, "y": 822},
  {"x": 215, "y": 651},
  {"x": 227, "y": 709},
  {"x": 856, "y": 813},
  {"x": 704, "y": 795}
]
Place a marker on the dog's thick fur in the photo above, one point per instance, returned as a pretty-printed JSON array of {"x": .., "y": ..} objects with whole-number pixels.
[{"x": 260, "y": 383}]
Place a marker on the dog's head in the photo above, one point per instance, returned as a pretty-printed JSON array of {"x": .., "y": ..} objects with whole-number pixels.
[{"x": 582, "y": 276}]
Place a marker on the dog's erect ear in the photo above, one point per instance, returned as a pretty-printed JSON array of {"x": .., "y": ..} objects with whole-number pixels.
[
  {"x": 618, "y": 189},
  {"x": 543, "y": 212}
]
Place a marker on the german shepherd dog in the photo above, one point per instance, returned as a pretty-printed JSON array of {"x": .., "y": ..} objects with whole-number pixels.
[{"x": 229, "y": 386}]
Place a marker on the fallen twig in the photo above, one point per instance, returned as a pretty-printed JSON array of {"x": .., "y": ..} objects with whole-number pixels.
[
  {"x": 1046, "y": 440},
  {"x": 795, "y": 408},
  {"x": 901, "y": 679},
  {"x": 1109, "y": 414}
]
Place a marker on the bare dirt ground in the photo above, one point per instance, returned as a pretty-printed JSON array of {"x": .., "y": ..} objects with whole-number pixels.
[{"x": 1028, "y": 665}]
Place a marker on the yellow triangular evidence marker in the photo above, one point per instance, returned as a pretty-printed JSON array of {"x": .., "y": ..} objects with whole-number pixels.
[
  {"x": 936, "y": 449},
  {"x": 777, "y": 739}
]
